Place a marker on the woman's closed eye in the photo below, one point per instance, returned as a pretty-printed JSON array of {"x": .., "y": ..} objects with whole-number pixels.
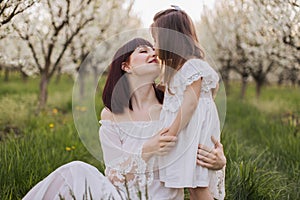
[{"x": 145, "y": 49}]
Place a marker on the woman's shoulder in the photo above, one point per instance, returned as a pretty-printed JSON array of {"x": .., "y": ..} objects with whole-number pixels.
[
  {"x": 110, "y": 117},
  {"x": 106, "y": 114}
]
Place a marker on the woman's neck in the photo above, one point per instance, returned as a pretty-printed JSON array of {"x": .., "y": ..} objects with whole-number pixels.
[
  {"x": 143, "y": 97},
  {"x": 145, "y": 106}
]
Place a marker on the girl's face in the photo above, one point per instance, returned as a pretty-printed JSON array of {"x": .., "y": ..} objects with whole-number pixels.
[
  {"x": 143, "y": 61},
  {"x": 155, "y": 38}
]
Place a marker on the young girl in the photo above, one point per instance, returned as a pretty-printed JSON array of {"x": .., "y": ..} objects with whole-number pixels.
[{"x": 188, "y": 109}]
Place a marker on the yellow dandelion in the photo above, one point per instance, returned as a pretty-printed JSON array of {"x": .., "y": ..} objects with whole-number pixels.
[
  {"x": 68, "y": 149},
  {"x": 51, "y": 125},
  {"x": 73, "y": 147},
  {"x": 55, "y": 111}
]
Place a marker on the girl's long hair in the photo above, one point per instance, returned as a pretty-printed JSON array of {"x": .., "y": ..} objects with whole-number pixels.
[{"x": 176, "y": 39}]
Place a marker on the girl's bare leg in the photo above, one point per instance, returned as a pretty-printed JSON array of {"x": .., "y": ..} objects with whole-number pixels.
[{"x": 200, "y": 193}]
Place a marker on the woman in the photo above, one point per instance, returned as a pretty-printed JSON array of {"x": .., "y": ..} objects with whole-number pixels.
[{"x": 129, "y": 144}]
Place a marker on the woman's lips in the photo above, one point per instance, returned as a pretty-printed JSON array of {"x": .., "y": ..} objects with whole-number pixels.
[{"x": 154, "y": 61}]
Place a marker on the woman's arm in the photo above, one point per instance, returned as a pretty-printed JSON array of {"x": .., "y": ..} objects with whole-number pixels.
[
  {"x": 211, "y": 158},
  {"x": 187, "y": 108},
  {"x": 123, "y": 165}
]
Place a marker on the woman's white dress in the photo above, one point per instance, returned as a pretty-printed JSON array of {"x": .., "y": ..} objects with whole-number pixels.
[
  {"x": 73, "y": 179},
  {"x": 178, "y": 169},
  {"x": 121, "y": 144}
]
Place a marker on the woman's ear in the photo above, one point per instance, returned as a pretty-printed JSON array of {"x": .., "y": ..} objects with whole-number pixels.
[{"x": 126, "y": 67}]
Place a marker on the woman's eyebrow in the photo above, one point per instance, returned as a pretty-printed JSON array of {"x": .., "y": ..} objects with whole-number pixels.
[{"x": 145, "y": 47}]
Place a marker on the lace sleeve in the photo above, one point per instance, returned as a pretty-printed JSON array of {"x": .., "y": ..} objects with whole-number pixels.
[
  {"x": 124, "y": 167},
  {"x": 195, "y": 69},
  {"x": 217, "y": 186}
]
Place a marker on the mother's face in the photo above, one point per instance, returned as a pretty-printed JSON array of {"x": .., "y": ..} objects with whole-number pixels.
[{"x": 143, "y": 62}]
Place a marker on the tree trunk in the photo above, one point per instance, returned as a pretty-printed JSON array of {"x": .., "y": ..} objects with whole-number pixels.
[
  {"x": 6, "y": 74},
  {"x": 259, "y": 85},
  {"x": 260, "y": 79},
  {"x": 24, "y": 76},
  {"x": 227, "y": 86},
  {"x": 244, "y": 87},
  {"x": 225, "y": 78},
  {"x": 96, "y": 76},
  {"x": 81, "y": 80},
  {"x": 58, "y": 76},
  {"x": 280, "y": 79},
  {"x": 43, "y": 93}
]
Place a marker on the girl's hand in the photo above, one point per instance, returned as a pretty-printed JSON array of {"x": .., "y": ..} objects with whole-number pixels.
[
  {"x": 159, "y": 144},
  {"x": 211, "y": 158},
  {"x": 163, "y": 142}
]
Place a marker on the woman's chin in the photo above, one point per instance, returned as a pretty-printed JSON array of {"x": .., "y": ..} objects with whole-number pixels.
[{"x": 152, "y": 69}]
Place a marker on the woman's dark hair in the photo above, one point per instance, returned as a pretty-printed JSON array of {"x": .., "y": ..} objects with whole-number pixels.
[
  {"x": 176, "y": 39},
  {"x": 116, "y": 93}
]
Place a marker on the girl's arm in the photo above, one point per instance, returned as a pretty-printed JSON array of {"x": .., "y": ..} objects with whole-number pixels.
[
  {"x": 214, "y": 91},
  {"x": 187, "y": 108}
]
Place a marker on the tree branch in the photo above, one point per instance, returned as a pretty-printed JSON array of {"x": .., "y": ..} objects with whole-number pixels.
[
  {"x": 14, "y": 12},
  {"x": 68, "y": 41},
  {"x": 30, "y": 45}
]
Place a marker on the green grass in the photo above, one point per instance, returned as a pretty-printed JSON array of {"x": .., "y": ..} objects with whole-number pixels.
[
  {"x": 36, "y": 149},
  {"x": 260, "y": 139},
  {"x": 262, "y": 149}
]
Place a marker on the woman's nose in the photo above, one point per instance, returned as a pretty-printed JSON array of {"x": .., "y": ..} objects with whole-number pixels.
[{"x": 153, "y": 53}]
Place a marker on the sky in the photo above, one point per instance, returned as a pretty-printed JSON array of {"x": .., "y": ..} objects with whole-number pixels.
[{"x": 146, "y": 9}]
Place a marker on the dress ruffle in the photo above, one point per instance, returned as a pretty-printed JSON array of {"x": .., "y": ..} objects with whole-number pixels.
[{"x": 191, "y": 71}]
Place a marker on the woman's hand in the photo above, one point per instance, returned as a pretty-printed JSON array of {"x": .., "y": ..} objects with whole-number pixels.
[
  {"x": 159, "y": 144},
  {"x": 211, "y": 158}
]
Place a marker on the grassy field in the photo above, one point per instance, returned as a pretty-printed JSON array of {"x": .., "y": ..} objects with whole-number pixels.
[{"x": 260, "y": 137}]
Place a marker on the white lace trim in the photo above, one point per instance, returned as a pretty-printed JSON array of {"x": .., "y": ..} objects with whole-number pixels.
[
  {"x": 131, "y": 174},
  {"x": 220, "y": 193}
]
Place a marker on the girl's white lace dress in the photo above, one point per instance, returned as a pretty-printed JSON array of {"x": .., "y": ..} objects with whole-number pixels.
[{"x": 178, "y": 169}]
